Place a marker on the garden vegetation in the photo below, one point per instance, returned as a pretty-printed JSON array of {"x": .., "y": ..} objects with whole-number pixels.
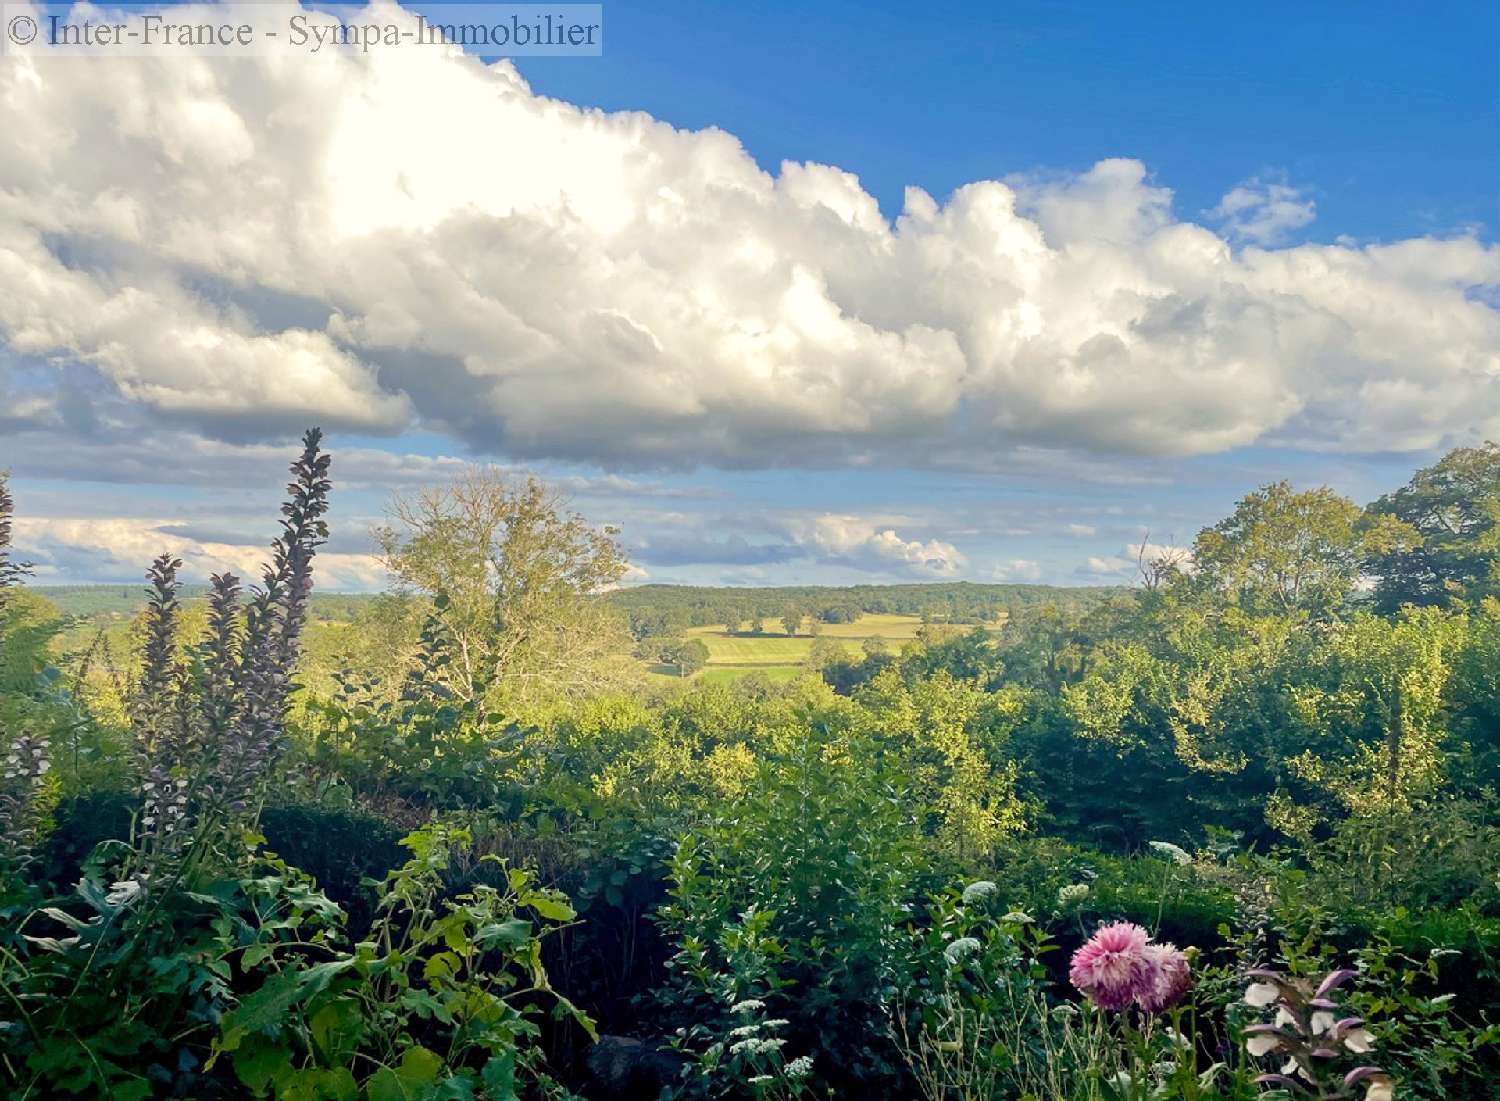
[{"x": 1229, "y": 834}]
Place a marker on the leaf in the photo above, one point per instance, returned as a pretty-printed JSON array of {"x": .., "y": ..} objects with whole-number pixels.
[
  {"x": 338, "y": 1084},
  {"x": 440, "y": 966},
  {"x": 507, "y": 934},
  {"x": 550, "y": 907},
  {"x": 260, "y": 1064},
  {"x": 336, "y": 1029},
  {"x": 265, "y": 1007},
  {"x": 412, "y": 1079},
  {"x": 65, "y": 918},
  {"x": 499, "y": 1077},
  {"x": 255, "y": 955}
]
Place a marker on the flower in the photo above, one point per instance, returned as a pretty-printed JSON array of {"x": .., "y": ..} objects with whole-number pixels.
[
  {"x": 1379, "y": 1086},
  {"x": 978, "y": 892},
  {"x": 960, "y": 950},
  {"x": 1263, "y": 1042},
  {"x": 1261, "y": 994},
  {"x": 1072, "y": 894},
  {"x": 1111, "y": 966},
  {"x": 1166, "y": 980},
  {"x": 1359, "y": 1040},
  {"x": 799, "y": 1067}
]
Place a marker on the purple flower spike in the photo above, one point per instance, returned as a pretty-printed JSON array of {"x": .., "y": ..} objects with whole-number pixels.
[{"x": 1334, "y": 979}]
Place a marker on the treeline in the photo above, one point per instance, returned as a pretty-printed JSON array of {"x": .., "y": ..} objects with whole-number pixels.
[
  {"x": 88, "y": 601},
  {"x": 656, "y": 610}
]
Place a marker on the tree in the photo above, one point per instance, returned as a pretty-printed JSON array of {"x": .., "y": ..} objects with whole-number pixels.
[
  {"x": 826, "y": 652},
  {"x": 1452, "y": 508},
  {"x": 690, "y": 656},
  {"x": 1374, "y": 710},
  {"x": 521, "y": 577},
  {"x": 1284, "y": 553},
  {"x": 791, "y": 620}
]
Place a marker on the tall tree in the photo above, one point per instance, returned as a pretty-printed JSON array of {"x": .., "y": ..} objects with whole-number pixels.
[
  {"x": 521, "y": 575},
  {"x": 1285, "y": 553},
  {"x": 1452, "y": 508}
]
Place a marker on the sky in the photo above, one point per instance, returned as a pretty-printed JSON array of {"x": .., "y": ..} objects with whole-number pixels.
[{"x": 817, "y": 294}]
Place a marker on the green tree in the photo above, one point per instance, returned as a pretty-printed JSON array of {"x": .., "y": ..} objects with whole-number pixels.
[
  {"x": 1451, "y": 509},
  {"x": 826, "y": 652},
  {"x": 521, "y": 576},
  {"x": 1285, "y": 553},
  {"x": 690, "y": 656},
  {"x": 791, "y": 620},
  {"x": 1374, "y": 710}
]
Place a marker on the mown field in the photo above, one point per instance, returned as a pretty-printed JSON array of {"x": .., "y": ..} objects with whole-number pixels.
[{"x": 781, "y": 657}]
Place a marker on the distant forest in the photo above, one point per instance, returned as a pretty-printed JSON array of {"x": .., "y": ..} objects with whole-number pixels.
[
  {"x": 661, "y": 609},
  {"x": 668, "y": 609}
]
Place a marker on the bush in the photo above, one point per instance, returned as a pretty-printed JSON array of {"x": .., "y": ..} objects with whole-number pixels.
[{"x": 797, "y": 899}]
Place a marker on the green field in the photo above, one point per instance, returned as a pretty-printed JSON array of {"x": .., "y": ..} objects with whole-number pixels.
[{"x": 780, "y": 657}]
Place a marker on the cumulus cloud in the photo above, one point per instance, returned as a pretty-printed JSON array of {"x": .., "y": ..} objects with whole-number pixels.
[
  {"x": 413, "y": 238},
  {"x": 1261, "y": 212},
  {"x": 1126, "y": 565},
  {"x": 871, "y": 544},
  {"x": 867, "y": 545},
  {"x": 1018, "y": 569},
  {"x": 119, "y": 549}
]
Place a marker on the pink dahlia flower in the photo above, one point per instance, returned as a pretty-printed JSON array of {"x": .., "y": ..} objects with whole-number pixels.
[
  {"x": 1111, "y": 967},
  {"x": 1166, "y": 980}
]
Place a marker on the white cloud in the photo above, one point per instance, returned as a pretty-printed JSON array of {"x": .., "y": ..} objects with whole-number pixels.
[
  {"x": 1018, "y": 569},
  {"x": 1261, "y": 212},
  {"x": 868, "y": 545},
  {"x": 120, "y": 549},
  {"x": 1126, "y": 565},
  {"x": 412, "y": 238}
]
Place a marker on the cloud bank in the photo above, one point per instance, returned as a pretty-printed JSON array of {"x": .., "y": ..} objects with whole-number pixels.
[{"x": 412, "y": 239}]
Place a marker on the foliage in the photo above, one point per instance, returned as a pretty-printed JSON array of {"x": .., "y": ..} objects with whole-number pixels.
[
  {"x": 518, "y": 575},
  {"x": 1286, "y": 553},
  {"x": 798, "y": 898},
  {"x": 1451, "y": 509},
  {"x": 1245, "y": 755},
  {"x": 437, "y": 1001}
]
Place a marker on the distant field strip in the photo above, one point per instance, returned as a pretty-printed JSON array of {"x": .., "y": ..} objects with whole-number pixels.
[
  {"x": 724, "y": 649},
  {"x": 774, "y": 655}
]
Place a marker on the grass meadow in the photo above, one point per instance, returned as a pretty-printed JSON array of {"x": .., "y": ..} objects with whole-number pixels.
[{"x": 781, "y": 657}]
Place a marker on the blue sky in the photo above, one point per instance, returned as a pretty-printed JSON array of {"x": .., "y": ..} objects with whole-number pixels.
[
  {"x": 1389, "y": 113},
  {"x": 1220, "y": 248}
]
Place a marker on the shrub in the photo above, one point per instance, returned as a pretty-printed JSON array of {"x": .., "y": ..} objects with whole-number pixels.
[{"x": 798, "y": 897}]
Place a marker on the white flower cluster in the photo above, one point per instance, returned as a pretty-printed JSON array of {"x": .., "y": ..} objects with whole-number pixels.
[{"x": 1071, "y": 895}]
